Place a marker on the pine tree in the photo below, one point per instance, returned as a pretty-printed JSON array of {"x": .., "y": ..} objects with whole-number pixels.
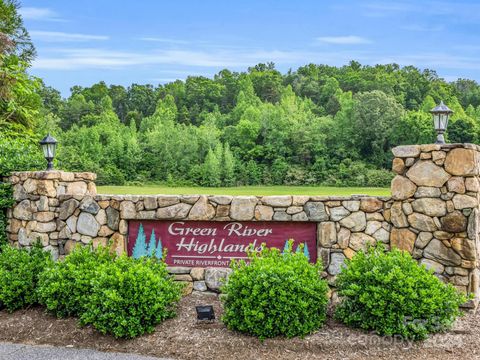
[
  {"x": 152, "y": 245},
  {"x": 211, "y": 170},
  {"x": 140, "y": 248},
  {"x": 228, "y": 166},
  {"x": 286, "y": 247},
  {"x": 159, "y": 251},
  {"x": 219, "y": 155}
]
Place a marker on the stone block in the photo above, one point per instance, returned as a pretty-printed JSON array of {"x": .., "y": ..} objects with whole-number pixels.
[
  {"x": 215, "y": 278},
  {"x": 360, "y": 241},
  {"x": 76, "y": 188},
  {"x": 281, "y": 216},
  {"x": 150, "y": 202},
  {"x": 406, "y": 151},
  {"x": 421, "y": 222},
  {"x": 299, "y": 200},
  {"x": 464, "y": 201},
  {"x": 403, "y": 239},
  {"x": 430, "y": 206},
  {"x": 337, "y": 262},
  {"x": 472, "y": 184},
  {"x": 456, "y": 184},
  {"x": 128, "y": 210},
  {"x": 398, "y": 165},
  {"x": 426, "y": 173},
  {"x": 277, "y": 201},
  {"x": 197, "y": 273},
  {"x": 87, "y": 225},
  {"x": 327, "y": 234},
  {"x": 113, "y": 218},
  {"x": 199, "y": 286},
  {"x": 315, "y": 211},
  {"x": 167, "y": 200},
  {"x": 402, "y": 188},
  {"x": 221, "y": 199},
  {"x": 338, "y": 213},
  {"x": 351, "y": 205},
  {"x": 242, "y": 208},
  {"x": 202, "y": 210},
  {"x": 355, "y": 221},
  {"x": 294, "y": 210},
  {"x": 371, "y": 204},
  {"x": 454, "y": 222},
  {"x": 67, "y": 208},
  {"x": 437, "y": 251},
  {"x": 177, "y": 211},
  {"x": 88, "y": 204},
  {"x": 433, "y": 265},
  {"x": 461, "y": 162}
]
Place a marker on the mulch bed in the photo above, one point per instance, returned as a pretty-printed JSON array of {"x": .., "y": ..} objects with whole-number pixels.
[{"x": 184, "y": 338}]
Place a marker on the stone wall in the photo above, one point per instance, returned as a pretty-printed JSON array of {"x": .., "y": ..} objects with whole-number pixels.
[{"x": 432, "y": 214}]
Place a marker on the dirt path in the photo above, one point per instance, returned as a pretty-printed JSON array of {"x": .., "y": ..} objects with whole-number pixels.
[{"x": 182, "y": 338}]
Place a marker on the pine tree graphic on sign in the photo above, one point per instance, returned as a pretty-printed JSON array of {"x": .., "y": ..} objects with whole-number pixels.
[
  {"x": 286, "y": 247},
  {"x": 159, "y": 252},
  {"x": 140, "y": 248},
  {"x": 299, "y": 248},
  {"x": 152, "y": 245},
  {"x": 305, "y": 251}
]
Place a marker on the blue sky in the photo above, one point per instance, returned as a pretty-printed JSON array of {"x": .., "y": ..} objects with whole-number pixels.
[{"x": 147, "y": 41}]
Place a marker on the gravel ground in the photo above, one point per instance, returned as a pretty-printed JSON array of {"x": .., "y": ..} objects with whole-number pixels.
[
  {"x": 184, "y": 338},
  {"x": 44, "y": 352}
]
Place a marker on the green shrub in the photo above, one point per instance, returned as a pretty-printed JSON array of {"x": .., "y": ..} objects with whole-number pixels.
[
  {"x": 276, "y": 294},
  {"x": 6, "y": 201},
  {"x": 388, "y": 292},
  {"x": 66, "y": 286},
  {"x": 130, "y": 297},
  {"x": 19, "y": 272}
]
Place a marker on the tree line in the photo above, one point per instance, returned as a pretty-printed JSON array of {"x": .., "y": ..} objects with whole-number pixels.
[{"x": 317, "y": 124}]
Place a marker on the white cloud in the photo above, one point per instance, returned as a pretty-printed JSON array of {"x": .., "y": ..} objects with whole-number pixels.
[
  {"x": 343, "y": 40},
  {"x": 56, "y": 36},
  {"x": 35, "y": 13},
  {"x": 82, "y": 58},
  {"x": 164, "y": 40},
  {"x": 422, "y": 28}
]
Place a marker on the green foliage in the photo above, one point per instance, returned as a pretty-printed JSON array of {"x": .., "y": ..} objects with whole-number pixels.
[
  {"x": 14, "y": 38},
  {"x": 18, "y": 151},
  {"x": 6, "y": 201},
  {"x": 275, "y": 294},
  {"x": 19, "y": 273},
  {"x": 130, "y": 297},
  {"x": 388, "y": 292},
  {"x": 66, "y": 286}
]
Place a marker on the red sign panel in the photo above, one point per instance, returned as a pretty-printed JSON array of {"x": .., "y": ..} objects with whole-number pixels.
[{"x": 214, "y": 243}]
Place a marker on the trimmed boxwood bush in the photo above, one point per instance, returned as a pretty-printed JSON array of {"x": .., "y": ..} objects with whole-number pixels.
[
  {"x": 275, "y": 294},
  {"x": 388, "y": 292},
  {"x": 130, "y": 297},
  {"x": 19, "y": 272},
  {"x": 65, "y": 287}
]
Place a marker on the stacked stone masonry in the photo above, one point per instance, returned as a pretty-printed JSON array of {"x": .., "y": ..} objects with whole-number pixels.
[{"x": 432, "y": 214}]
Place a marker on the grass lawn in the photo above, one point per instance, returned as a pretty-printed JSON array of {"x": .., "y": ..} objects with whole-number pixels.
[{"x": 243, "y": 190}]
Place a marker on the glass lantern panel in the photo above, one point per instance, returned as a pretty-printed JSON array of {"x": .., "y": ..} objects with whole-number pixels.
[
  {"x": 51, "y": 150},
  {"x": 444, "y": 121},
  {"x": 436, "y": 121}
]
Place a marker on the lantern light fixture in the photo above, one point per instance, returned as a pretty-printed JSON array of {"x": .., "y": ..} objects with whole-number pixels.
[
  {"x": 49, "y": 147},
  {"x": 440, "y": 113}
]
